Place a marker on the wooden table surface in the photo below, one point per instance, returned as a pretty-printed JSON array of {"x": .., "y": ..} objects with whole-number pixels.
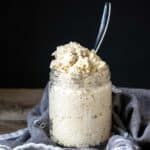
[{"x": 14, "y": 106}]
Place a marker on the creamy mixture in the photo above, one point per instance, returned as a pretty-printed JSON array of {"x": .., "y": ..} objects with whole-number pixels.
[
  {"x": 76, "y": 60},
  {"x": 80, "y": 97}
]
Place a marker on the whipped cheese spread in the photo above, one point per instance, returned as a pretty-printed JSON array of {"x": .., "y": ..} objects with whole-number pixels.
[
  {"x": 79, "y": 108},
  {"x": 76, "y": 60}
]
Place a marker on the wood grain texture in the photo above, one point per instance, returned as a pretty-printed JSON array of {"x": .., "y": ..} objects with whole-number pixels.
[
  {"x": 9, "y": 126},
  {"x": 14, "y": 106},
  {"x": 22, "y": 97}
]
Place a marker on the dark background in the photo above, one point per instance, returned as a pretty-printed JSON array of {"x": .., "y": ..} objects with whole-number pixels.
[{"x": 30, "y": 31}]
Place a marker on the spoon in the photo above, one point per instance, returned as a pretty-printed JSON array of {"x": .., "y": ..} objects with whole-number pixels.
[{"x": 103, "y": 26}]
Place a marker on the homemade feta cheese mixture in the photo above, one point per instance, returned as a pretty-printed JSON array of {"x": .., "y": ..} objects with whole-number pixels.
[{"x": 80, "y": 97}]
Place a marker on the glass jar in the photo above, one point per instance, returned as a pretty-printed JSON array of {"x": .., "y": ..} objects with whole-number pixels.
[{"x": 80, "y": 109}]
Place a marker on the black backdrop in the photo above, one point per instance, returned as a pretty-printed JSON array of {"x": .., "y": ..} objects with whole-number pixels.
[{"x": 32, "y": 29}]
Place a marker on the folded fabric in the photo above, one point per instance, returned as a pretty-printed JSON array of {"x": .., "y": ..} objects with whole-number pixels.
[{"x": 130, "y": 127}]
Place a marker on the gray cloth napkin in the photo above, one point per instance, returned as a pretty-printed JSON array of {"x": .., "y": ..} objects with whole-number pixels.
[{"x": 130, "y": 127}]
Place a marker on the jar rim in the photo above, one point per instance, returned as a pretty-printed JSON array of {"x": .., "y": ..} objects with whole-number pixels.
[{"x": 95, "y": 79}]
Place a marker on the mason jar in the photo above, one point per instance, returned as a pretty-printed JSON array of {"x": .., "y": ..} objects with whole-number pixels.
[{"x": 80, "y": 109}]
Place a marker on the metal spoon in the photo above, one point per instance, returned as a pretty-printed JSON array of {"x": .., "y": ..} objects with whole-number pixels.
[{"x": 103, "y": 26}]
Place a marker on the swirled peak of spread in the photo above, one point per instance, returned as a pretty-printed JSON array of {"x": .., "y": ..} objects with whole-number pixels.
[{"x": 74, "y": 59}]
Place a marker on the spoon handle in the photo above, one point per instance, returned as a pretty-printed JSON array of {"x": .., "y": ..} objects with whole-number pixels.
[{"x": 103, "y": 26}]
